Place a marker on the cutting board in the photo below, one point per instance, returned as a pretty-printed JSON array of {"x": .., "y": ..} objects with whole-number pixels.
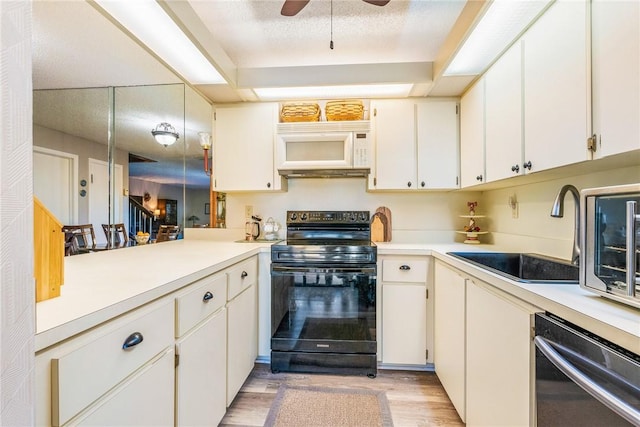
[
  {"x": 378, "y": 227},
  {"x": 386, "y": 213}
]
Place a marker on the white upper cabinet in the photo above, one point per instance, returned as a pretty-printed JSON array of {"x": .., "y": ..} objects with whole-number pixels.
[
  {"x": 393, "y": 125},
  {"x": 616, "y": 76},
  {"x": 556, "y": 87},
  {"x": 472, "y": 135},
  {"x": 416, "y": 145},
  {"x": 437, "y": 136},
  {"x": 503, "y": 103},
  {"x": 244, "y": 148}
]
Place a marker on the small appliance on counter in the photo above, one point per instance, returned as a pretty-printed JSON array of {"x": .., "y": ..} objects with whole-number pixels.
[
  {"x": 252, "y": 228},
  {"x": 610, "y": 241}
]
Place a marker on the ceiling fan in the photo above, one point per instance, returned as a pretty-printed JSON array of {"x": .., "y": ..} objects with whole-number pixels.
[{"x": 292, "y": 7}]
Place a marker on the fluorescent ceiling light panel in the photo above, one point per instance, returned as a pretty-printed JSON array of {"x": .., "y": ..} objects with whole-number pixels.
[
  {"x": 329, "y": 92},
  {"x": 146, "y": 20},
  {"x": 497, "y": 29}
]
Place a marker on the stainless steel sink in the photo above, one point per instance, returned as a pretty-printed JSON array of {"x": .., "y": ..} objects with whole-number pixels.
[{"x": 526, "y": 268}]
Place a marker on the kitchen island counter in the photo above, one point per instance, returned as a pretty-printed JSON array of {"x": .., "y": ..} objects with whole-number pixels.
[{"x": 103, "y": 285}]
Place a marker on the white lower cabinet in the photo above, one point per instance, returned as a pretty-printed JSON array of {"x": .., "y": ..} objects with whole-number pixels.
[
  {"x": 450, "y": 332},
  {"x": 201, "y": 346},
  {"x": 189, "y": 353},
  {"x": 483, "y": 350},
  {"x": 499, "y": 358},
  {"x": 201, "y": 375},
  {"x": 404, "y": 310},
  {"x": 242, "y": 342},
  {"x": 145, "y": 399}
]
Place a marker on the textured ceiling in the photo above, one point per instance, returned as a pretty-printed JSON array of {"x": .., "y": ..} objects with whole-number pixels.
[{"x": 254, "y": 34}]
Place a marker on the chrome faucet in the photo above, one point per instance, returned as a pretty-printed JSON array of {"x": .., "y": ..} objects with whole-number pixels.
[{"x": 557, "y": 211}]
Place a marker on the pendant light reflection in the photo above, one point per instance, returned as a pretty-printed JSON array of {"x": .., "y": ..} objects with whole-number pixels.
[
  {"x": 165, "y": 134},
  {"x": 205, "y": 143}
]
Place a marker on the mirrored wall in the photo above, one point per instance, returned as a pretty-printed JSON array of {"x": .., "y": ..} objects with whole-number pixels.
[{"x": 95, "y": 157}]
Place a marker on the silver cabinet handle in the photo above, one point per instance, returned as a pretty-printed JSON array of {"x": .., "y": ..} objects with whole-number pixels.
[
  {"x": 405, "y": 267},
  {"x": 587, "y": 384},
  {"x": 515, "y": 168},
  {"x": 527, "y": 165},
  {"x": 632, "y": 219},
  {"x": 132, "y": 340},
  {"x": 207, "y": 296}
]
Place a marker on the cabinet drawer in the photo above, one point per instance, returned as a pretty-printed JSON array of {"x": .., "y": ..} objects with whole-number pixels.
[
  {"x": 241, "y": 276},
  {"x": 81, "y": 376},
  {"x": 199, "y": 300},
  {"x": 405, "y": 270}
]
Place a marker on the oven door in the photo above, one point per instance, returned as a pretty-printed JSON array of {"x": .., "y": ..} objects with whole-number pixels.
[{"x": 323, "y": 309}]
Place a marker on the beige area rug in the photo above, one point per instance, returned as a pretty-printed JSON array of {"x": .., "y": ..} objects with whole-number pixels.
[{"x": 298, "y": 406}]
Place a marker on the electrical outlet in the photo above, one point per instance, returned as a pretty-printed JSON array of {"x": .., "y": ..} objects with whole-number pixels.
[{"x": 248, "y": 211}]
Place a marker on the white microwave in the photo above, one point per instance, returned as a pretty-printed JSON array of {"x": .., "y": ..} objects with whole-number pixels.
[
  {"x": 610, "y": 239},
  {"x": 329, "y": 153}
]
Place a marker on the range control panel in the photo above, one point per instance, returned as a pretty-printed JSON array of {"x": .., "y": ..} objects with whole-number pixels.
[{"x": 327, "y": 217}]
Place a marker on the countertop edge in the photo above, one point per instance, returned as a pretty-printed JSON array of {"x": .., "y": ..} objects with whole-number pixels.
[{"x": 51, "y": 336}]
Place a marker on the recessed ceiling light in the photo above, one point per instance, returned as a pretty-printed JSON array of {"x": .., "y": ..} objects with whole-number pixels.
[
  {"x": 497, "y": 30},
  {"x": 332, "y": 92},
  {"x": 148, "y": 22}
]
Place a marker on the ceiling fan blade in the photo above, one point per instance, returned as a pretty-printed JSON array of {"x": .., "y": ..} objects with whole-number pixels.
[
  {"x": 377, "y": 2},
  {"x": 292, "y": 7}
]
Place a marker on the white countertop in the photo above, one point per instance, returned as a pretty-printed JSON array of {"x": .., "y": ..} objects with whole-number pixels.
[
  {"x": 100, "y": 286},
  {"x": 614, "y": 321}
]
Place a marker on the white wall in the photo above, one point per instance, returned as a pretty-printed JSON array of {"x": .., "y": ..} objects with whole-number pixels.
[
  {"x": 416, "y": 216},
  {"x": 535, "y": 230},
  {"x": 17, "y": 290}
]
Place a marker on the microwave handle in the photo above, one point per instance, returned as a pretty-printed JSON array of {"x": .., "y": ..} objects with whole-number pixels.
[{"x": 632, "y": 220}]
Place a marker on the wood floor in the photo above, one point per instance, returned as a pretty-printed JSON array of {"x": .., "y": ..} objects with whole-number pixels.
[{"x": 415, "y": 398}]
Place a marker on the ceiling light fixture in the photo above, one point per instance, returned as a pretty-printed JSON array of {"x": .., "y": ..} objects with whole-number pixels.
[
  {"x": 150, "y": 24},
  {"x": 205, "y": 143},
  {"x": 165, "y": 134},
  {"x": 334, "y": 92},
  {"x": 498, "y": 28}
]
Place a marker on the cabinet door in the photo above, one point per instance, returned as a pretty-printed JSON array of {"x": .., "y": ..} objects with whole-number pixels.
[
  {"x": 144, "y": 399},
  {"x": 244, "y": 148},
  {"x": 616, "y": 75},
  {"x": 201, "y": 386},
  {"x": 472, "y": 135},
  {"x": 437, "y": 136},
  {"x": 242, "y": 344},
  {"x": 395, "y": 142},
  {"x": 556, "y": 107},
  {"x": 498, "y": 360},
  {"x": 404, "y": 323},
  {"x": 503, "y": 93},
  {"x": 449, "y": 331}
]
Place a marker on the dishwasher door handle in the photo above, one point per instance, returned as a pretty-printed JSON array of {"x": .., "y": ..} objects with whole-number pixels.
[{"x": 587, "y": 384}]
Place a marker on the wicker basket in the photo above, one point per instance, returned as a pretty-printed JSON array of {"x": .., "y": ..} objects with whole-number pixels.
[
  {"x": 344, "y": 110},
  {"x": 300, "y": 112}
]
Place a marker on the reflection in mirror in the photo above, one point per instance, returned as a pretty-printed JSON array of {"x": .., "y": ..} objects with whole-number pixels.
[
  {"x": 71, "y": 128},
  {"x": 71, "y": 174}
]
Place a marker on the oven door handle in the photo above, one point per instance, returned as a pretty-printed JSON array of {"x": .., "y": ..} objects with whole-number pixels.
[
  {"x": 323, "y": 269},
  {"x": 587, "y": 384}
]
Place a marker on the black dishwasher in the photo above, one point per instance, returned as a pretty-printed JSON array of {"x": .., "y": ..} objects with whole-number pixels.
[{"x": 582, "y": 379}]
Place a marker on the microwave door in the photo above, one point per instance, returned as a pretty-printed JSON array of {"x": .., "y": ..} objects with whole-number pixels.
[{"x": 612, "y": 244}]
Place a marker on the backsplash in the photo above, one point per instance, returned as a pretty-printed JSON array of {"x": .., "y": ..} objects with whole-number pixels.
[
  {"x": 416, "y": 216},
  {"x": 534, "y": 230}
]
